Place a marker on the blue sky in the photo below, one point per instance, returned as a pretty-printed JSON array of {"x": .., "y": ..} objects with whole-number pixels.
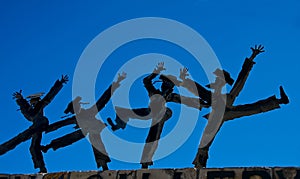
[{"x": 42, "y": 40}]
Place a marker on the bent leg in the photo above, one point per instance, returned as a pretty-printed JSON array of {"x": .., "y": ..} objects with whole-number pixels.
[{"x": 124, "y": 114}]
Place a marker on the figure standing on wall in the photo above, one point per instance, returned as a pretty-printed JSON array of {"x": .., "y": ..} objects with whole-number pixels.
[
  {"x": 157, "y": 111},
  {"x": 34, "y": 112},
  {"x": 88, "y": 124},
  {"x": 224, "y": 102}
]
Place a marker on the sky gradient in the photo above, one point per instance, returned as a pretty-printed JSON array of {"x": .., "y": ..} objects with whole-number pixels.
[{"x": 40, "y": 41}]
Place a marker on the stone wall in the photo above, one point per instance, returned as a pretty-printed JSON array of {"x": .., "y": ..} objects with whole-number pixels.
[{"x": 187, "y": 173}]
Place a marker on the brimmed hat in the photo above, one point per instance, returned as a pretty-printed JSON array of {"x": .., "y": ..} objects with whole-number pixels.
[
  {"x": 170, "y": 79},
  {"x": 221, "y": 73},
  {"x": 73, "y": 106},
  {"x": 35, "y": 95}
]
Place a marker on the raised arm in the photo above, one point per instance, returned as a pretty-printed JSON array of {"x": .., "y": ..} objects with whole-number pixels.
[
  {"x": 148, "y": 80},
  {"x": 54, "y": 90},
  {"x": 244, "y": 73},
  {"x": 105, "y": 97},
  {"x": 194, "y": 87},
  {"x": 196, "y": 103},
  {"x": 24, "y": 105}
]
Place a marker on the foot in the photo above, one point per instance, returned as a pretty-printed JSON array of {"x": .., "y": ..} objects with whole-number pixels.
[
  {"x": 114, "y": 127},
  {"x": 283, "y": 97},
  {"x": 43, "y": 170},
  {"x": 44, "y": 148},
  {"x": 201, "y": 159},
  {"x": 146, "y": 165},
  {"x": 104, "y": 167},
  {"x": 103, "y": 163}
]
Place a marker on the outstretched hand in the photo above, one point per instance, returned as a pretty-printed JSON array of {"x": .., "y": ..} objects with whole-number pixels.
[
  {"x": 257, "y": 49},
  {"x": 183, "y": 73},
  {"x": 121, "y": 76},
  {"x": 17, "y": 95},
  {"x": 64, "y": 78},
  {"x": 159, "y": 67}
]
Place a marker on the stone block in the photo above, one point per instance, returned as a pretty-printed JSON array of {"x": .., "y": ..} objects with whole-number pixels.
[
  {"x": 235, "y": 173},
  {"x": 20, "y": 176},
  {"x": 286, "y": 173},
  {"x": 108, "y": 174},
  {"x": 4, "y": 176},
  {"x": 228, "y": 173},
  {"x": 82, "y": 175},
  {"x": 126, "y": 174},
  {"x": 257, "y": 173},
  {"x": 185, "y": 173},
  {"x": 155, "y": 174},
  {"x": 60, "y": 175}
]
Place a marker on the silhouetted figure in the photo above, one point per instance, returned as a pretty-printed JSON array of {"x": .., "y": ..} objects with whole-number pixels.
[
  {"x": 224, "y": 102},
  {"x": 87, "y": 122},
  {"x": 156, "y": 110},
  {"x": 34, "y": 112}
]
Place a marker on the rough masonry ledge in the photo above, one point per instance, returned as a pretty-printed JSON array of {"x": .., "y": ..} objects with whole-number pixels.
[{"x": 184, "y": 173}]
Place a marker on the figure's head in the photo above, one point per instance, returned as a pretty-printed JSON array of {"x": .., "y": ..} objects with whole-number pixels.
[
  {"x": 35, "y": 98},
  {"x": 74, "y": 106},
  {"x": 169, "y": 81},
  {"x": 222, "y": 77}
]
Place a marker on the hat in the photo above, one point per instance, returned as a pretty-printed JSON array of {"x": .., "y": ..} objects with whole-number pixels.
[
  {"x": 73, "y": 106},
  {"x": 36, "y": 95},
  {"x": 170, "y": 79},
  {"x": 221, "y": 73}
]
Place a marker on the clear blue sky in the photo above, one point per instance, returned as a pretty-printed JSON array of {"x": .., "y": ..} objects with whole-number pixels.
[{"x": 39, "y": 41}]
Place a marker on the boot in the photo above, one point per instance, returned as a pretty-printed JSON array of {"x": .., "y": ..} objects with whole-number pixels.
[
  {"x": 43, "y": 170},
  {"x": 201, "y": 158},
  {"x": 104, "y": 167},
  {"x": 119, "y": 123},
  {"x": 283, "y": 97},
  {"x": 114, "y": 127},
  {"x": 146, "y": 165},
  {"x": 102, "y": 164},
  {"x": 45, "y": 148}
]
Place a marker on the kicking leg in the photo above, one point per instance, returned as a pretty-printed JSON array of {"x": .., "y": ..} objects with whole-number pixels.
[
  {"x": 64, "y": 141},
  {"x": 260, "y": 106},
  {"x": 123, "y": 115}
]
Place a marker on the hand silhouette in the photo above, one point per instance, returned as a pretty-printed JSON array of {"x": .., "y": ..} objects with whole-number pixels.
[
  {"x": 183, "y": 73},
  {"x": 121, "y": 76},
  {"x": 257, "y": 49},
  {"x": 17, "y": 95},
  {"x": 64, "y": 78},
  {"x": 159, "y": 67}
]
